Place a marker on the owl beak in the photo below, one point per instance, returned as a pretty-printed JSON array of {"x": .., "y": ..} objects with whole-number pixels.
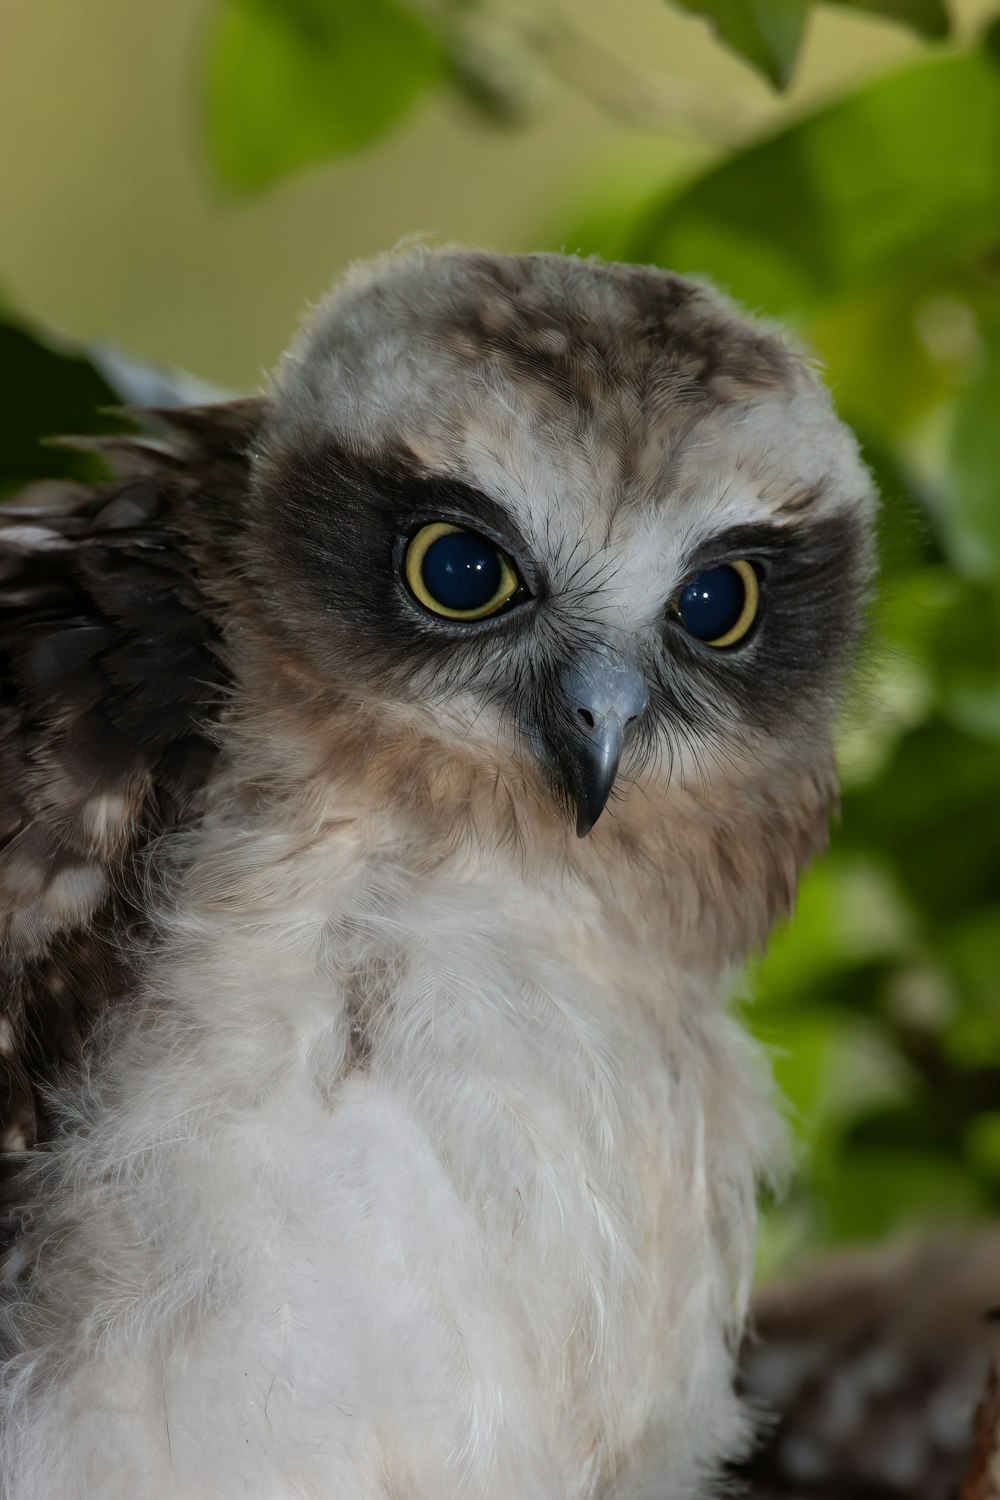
[{"x": 604, "y": 696}]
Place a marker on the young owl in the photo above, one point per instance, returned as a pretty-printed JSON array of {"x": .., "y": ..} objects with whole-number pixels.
[{"x": 396, "y": 770}]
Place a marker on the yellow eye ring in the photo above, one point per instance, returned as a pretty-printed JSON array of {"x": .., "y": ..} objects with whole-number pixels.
[
  {"x": 469, "y": 579},
  {"x": 751, "y": 604}
]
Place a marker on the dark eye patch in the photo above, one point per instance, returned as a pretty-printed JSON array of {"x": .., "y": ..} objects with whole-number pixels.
[
  {"x": 813, "y": 577},
  {"x": 324, "y": 551},
  {"x": 330, "y": 543}
]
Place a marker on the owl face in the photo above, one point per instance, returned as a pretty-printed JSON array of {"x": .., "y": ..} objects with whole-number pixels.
[{"x": 586, "y": 516}]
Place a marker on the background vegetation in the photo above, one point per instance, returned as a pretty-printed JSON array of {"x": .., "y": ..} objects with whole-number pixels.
[{"x": 171, "y": 185}]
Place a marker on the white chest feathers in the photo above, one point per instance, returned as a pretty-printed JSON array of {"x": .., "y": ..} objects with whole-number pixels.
[{"x": 388, "y": 1194}]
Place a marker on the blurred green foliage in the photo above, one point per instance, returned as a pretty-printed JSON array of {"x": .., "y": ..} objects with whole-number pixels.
[
  {"x": 291, "y": 81},
  {"x": 288, "y": 82},
  {"x": 872, "y": 228}
]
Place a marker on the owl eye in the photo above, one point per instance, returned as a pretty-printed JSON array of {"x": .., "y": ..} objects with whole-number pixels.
[
  {"x": 721, "y": 604},
  {"x": 458, "y": 574}
]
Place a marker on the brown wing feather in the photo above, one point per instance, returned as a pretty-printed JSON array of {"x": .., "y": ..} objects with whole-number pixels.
[
  {"x": 111, "y": 607},
  {"x": 871, "y": 1367}
]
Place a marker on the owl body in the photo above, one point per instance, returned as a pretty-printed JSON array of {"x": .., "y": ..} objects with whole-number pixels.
[
  {"x": 435, "y": 1276},
  {"x": 420, "y": 1157}
]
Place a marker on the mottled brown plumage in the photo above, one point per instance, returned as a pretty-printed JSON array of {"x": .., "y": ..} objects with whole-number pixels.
[
  {"x": 871, "y": 1368},
  {"x": 983, "y": 1479},
  {"x": 111, "y": 677}
]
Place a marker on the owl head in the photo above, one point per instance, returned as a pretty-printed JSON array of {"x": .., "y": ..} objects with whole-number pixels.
[{"x": 584, "y": 527}]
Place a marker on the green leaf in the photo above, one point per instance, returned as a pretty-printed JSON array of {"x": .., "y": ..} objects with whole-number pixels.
[
  {"x": 874, "y": 343},
  {"x": 766, "y": 33},
  {"x": 892, "y": 176},
  {"x": 44, "y": 393},
  {"x": 962, "y": 648},
  {"x": 974, "y": 515},
  {"x": 848, "y": 914},
  {"x": 935, "y": 816},
  {"x": 290, "y": 82},
  {"x": 983, "y": 1143},
  {"x": 926, "y": 17},
  {"x": 971, "y": 950},
  {"x": 869, "y": 1194}
]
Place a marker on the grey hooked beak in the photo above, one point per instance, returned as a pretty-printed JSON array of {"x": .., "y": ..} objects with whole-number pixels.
[{"x": 604, "y": 697}]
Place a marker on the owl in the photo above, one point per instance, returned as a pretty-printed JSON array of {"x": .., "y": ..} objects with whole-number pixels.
[{"x": 397, "y": 769}]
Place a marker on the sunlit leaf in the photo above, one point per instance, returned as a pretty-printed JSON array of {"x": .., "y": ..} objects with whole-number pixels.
[
  {"x": 803, "y": 1053},
  {"x": 891, "y": 176},
  {"x": 898, "y": 347},
  {"x": 848, "y": 913},
  {"x": 293, "y": 81},
  {"x": 765, "y": 33}
]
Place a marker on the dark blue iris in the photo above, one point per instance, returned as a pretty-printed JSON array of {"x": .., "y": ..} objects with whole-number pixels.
[
  {"x": 712, "y": 604},
  {"x": 461, "y": 571}
]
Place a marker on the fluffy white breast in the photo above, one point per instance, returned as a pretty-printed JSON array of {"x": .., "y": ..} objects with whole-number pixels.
[{"x": 415, "y": 1186}]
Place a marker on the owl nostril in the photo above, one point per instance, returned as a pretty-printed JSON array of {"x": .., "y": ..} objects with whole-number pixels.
[{"x": 589, "y": 719}]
